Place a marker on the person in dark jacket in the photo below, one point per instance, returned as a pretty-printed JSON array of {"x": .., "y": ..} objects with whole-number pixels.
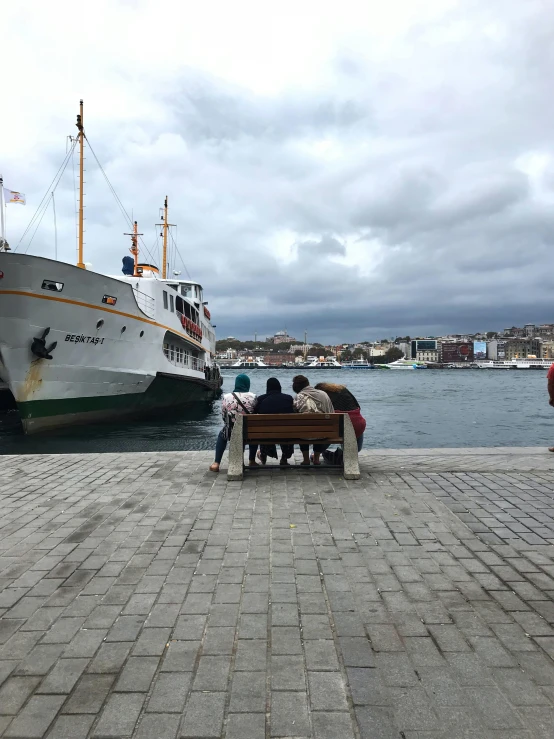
[
  {"x": 344, "y": 402},
  {"x": 274, "y": 401}
]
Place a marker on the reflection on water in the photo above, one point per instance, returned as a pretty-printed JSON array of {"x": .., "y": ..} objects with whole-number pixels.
[{"x": 432, "y": 408}]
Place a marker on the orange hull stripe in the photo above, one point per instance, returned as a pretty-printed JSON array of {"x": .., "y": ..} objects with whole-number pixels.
[{"x": 100, "y": 307}]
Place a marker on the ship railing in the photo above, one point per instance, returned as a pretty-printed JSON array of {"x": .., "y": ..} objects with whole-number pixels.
[
  {"x": 185, "y": 361},
  {"x": 146, "y": 303}
]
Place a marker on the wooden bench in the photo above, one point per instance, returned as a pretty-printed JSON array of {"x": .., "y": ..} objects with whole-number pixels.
[{"x": 293, "y": 428}]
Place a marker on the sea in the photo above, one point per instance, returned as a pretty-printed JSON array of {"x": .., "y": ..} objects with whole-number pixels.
[{"x": 403, "y": 409}]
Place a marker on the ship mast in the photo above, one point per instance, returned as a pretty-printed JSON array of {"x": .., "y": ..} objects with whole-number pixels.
[
  {"x": 165, "y": 225},
  {"x": 81, "y": 137},
  {"x": 134, "y": 247},
  {"x": 164, "y": 233}
]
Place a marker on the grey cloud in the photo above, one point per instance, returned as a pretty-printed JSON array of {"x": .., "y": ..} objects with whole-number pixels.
[{"x": 390, "y": 198}]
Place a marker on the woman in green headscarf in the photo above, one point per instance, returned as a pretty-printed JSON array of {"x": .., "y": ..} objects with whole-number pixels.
[{"x": 240, "y": 402}]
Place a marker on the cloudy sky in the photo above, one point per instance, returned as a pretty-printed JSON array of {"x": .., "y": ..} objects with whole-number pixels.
[{"x": 358, "y": 169}]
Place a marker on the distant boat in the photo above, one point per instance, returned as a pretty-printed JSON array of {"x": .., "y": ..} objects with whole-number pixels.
[
  {"x": 406, "y": 364},
  {"x": 358, "y": 364},
  {"x": 249, "y": 363},
  {"x": 324, "y": 363}
]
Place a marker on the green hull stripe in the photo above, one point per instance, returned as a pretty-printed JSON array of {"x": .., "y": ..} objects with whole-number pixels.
[{"x": 164, "y": 392}]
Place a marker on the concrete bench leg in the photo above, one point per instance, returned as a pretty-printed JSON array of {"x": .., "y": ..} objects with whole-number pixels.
[
  {"x": 236, "y": 452},
  {"x": 350, "y": 451}
]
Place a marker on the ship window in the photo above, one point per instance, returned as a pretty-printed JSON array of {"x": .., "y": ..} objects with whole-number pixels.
[
  {"x": 171, "y": 353},
  {"x": 56, "y": 287},
  {"x": 185, "y": 289},
  {"x": 124, "y": 328},
  {"x": 100, "y": 323},
  {"x": 166, "y": 350},
  {"x": 179, "y": 354},
  {"x": 165, "y": 299},
  {"x": 171, "y": 303},
  {"x": 141, "y": 334}
]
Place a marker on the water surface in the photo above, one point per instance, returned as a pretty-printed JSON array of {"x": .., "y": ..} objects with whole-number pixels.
[{"x": 428, "y": 408}]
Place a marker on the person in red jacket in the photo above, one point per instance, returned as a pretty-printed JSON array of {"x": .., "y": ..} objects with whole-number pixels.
[
  {"x": 550, "y": 386},
  {"x": 344, "y": 402}
]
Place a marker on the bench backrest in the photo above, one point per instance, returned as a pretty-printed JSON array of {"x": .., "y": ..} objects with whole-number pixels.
[{"x": 308, "y": 426}]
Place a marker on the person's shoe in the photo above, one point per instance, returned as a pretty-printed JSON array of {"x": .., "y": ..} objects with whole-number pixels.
[
  {"x": 214, "y": 467},
  {"x": 551, "y": 448},
  {"x": 253, "y": 463},
  {"x": 284, "y": 463},
  {"x": 261, "y": 457},
  {"x": 315, "y": 461}
]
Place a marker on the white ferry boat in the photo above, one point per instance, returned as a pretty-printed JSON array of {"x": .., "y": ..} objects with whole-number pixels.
[
  {"x": 529, "y": 363},
  {"x": 249, "y": 363},
  {"x": 406, "y": 364},
  {"x": 78, "y": 346},
  {"x": 323, "y": 363},
  {"x": 358, "y": 364}
]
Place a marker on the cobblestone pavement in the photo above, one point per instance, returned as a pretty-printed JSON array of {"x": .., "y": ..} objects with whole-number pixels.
[{"x": 141, "y": 596}]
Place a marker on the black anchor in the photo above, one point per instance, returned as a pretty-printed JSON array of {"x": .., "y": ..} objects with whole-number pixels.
[{"x": 38, "y": 347}]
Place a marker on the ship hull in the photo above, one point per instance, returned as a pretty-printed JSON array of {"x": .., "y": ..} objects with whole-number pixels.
[
  {"x": 107, "y": 362},
  {"x": 163, "y": 394}
]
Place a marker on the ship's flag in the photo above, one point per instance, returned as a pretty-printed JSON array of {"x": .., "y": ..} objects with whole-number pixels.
[{"x": 14, "y": 197}]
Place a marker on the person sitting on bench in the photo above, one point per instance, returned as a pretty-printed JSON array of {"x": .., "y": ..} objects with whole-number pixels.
[
  {"x": 310, "y": 400},
  {"x": 274, "y": 401},
  {"x": 344, "y": 402},
  {"x": 241, "y": 401}
]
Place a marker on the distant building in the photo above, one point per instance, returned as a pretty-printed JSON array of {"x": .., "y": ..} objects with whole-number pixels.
[
  {"x": 278, "y": 358},
  {"x": 522, "y": 348},
  {"x": 427, "y": 355},
  {"x": 455, "y": 352},
  {"x": 530, "y": 329},
  {"x": 281, "y": 337},
  {"x": 547, "y": 350}
]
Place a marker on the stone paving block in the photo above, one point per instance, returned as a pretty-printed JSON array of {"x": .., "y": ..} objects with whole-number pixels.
[
  {"x": 396, "y": 669},
  {"x": 289, "y": 715},
  {"x": 332, "y": 725},
  {"x": 203, "y": 716},
  {"x": 288, "y": 673},
  {"x": 356, "y": 651},
  {"x": 160, "y": 725},
  {"x": 285, "y": 640},
  {"x": 151, "y": 642},
  {"x": 119, "y": 716},
  {"x": 137, "y": 674},
  {"x": 35, "y": 718},
  {"x": 71, "y": 727},
  {"x": 248, "y": 692},
  {"x": 63, "y": 677},
  {"x": 245, "y": 726},
  {"x": 212, "y": 673},
  {"x": 110, "y": 657},
  {"x": 251, "y": 654},
  {"x": 321, "y": 655},
  {"x": 376, "y": 721},
  {"x": 190, "y": 627},
  {"x": 496, "y": 712},
  {"x": 89, "y": 695},
  {"x": 169, "y": 693},
  {"x": 327, "y": 691},
  {"x": 40, "y": 660},
  {"x": 14, "y": 692}
]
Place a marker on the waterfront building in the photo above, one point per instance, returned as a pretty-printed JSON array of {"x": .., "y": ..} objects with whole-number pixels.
[
  {"x": 547, "y": 349},
  {"x": 522, "y": 348},
  {"x": 453, "y": 352}
]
